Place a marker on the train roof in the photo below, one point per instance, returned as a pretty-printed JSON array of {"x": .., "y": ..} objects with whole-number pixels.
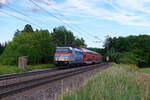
[
  {"x": 86, "y": 50},
  {"x": 65, "y": 47},
  {"x": 78, "y": 49}
]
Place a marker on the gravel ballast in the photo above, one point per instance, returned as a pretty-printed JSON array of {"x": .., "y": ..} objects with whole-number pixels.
[{"x": 54, "y": 90}]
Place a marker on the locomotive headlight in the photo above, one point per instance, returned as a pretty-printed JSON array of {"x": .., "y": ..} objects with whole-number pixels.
[{"x": 70, "y": 59}]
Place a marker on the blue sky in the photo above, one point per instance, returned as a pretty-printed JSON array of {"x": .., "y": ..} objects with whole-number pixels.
[{"x": 96, "y": 18}]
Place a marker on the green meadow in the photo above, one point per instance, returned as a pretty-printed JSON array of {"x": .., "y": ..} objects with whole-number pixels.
[
  {"x": 6, "y": 69},
  {"x": 119, "y": 82}
]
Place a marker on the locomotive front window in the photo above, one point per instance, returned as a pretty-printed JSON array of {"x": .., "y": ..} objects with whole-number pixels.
[{"x": 63, "y": 50}]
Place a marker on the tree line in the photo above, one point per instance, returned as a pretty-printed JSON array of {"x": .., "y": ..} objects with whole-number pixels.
[
  {"x": 2, "y": 47},
  {"x": 39, "y": 45},
  {"x": 129, "y": 50}
]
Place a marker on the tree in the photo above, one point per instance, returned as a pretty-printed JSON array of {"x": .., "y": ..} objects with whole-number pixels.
[
  {"x": 17, "y": 33},
  {"x": 37, "y": 46},
  {"x": 137, "y": 46},
  {"x": 127, "y": 58},
  {"x": 79, "y": 43},
  {"x": 2, "y": 47},
  {"x": 63, "y": 37},
  {"x": 28, "y": 29}
]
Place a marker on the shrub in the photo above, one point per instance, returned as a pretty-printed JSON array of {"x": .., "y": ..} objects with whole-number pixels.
[
  {"x": 127, "y": 58},
  {"x": 130, "y": 67},
  {"x": 37, "y": 46},
  {"x": 122, "y": 57}
]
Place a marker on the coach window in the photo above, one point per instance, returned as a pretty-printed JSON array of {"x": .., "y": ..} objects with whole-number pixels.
[{"x": 70, "y": 51}]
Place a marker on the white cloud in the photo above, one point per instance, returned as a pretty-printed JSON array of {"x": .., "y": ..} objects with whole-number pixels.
[
  {"x": 128, "y": 12},
  {"x": 4, "y": 2},
  {"x": 5, "y": 14},
  {"x": 48, "y": 2}
]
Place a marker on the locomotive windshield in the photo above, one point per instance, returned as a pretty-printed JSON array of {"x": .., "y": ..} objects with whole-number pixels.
[{"x": 63, "y": 50}]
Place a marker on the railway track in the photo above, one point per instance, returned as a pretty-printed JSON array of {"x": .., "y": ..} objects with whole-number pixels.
[
  {"x": 18, "y": 87},
  {"x": 19, "y": 75}
]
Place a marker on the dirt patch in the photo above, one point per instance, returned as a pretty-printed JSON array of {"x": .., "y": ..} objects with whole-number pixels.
[{"x": 145, "y": 80}]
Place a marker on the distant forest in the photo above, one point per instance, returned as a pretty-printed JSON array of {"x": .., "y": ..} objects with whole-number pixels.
[
  {"x": 129, "y": 50},
  {"x": 39, "y": 46}
]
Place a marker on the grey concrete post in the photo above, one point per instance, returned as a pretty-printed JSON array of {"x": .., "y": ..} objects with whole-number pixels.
[{"x": 22, "y": 62}]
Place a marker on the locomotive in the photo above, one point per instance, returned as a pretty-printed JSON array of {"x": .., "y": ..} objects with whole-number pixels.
[{"x": 68, "y": 56}]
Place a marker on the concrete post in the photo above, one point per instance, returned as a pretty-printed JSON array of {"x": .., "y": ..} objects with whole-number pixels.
[
  {"x": 107, "y": 58},
  {"x": 22, "y": 62}
]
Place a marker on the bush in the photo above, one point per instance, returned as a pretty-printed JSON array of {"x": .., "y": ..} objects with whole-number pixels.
[
  {"x": 37, "y": 46},
  {"x": 138, "y": 45},
  {"x": 127, "y": 58},
  {"x": 130, "y": 67},
  {"x": 122, "y": 57}
]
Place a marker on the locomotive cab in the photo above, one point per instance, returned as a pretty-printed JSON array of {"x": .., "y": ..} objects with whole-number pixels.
[{"x": 63, "y": 56}]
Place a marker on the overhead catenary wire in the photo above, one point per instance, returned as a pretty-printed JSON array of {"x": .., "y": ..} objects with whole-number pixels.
[
  {"x": 24, "y": 20},
  {"x": 73, "y": 24},
  {"x": 34, "y": 2},
  {"x": 4, "y": 12},
  {"x": 59, "y": 19},
  {"x": 20, "y": 12}
]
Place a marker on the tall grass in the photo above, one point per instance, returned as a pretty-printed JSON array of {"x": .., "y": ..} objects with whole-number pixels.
[
  {"x": 116, "y": 83},
  {"x": 8, "y": 69},
  {"x": 145, "y": 70}
]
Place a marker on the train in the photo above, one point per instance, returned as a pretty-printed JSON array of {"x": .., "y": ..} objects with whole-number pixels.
[{"x": 69, "y": 57}]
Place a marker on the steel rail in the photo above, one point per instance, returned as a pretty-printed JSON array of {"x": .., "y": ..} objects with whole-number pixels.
[
  {"x": 12, "y": 76},
  {"x": 46, "y": 80}
]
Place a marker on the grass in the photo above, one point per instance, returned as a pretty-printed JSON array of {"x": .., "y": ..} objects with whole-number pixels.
[
  {"x": 145, "y": 70},
  {"x": 6, "y": 69},
  {"x": 116, "y": 83}
]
